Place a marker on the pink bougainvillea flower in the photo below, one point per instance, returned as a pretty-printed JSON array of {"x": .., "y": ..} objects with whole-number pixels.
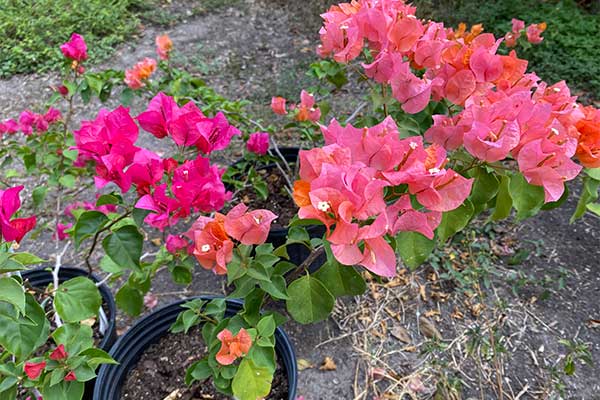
[
  {"x": 414, "y": 93},
  {"x": 75, "y": 49},
  {"x": 70, "y": 377},
  {"x": 543, "y": 164},
  {"x": 60, "y": 231},
  {"x": 233, "y": 347},
  {"x": 258, "y": 143},
  {"x": 34, "y": 370},
  {"x": 52, "y": 115},
  {"x": 162, "y": 206},
  {"x": 59, "y": 353},
  {"x": 17, "y": 228},
  {"x": 164, "y": 45},
  {"x": 486, "y": 66},
  {"x": 278, "y": 105},
  {"x": 405, "y": 32},
  {"x": 248, "y": 227},
  {"x": 176, "y": 243},
  {"x": 402, "y": 217},
  {"x": 213, "y": 248},
  {"x": 137, "y": 76},
  {"x": 307, "y": 110},
  {"x": 534, "y": 32},
  {"x": 159, "y": 114},
  {"x": 198, "y": 184},
  {"x": 517, "y": 25},
  {"x": 9, "y": 126},
  {"x": 446, "y": 131},
  {"x": 448, "y": 191},
  {"x": 215, "y": 133},
  {"x": 145, "y": 171},
  {"x": 150, "y": 301},
  {"x": 460, "y": 86},
  {"x": 377, "y": 255}
]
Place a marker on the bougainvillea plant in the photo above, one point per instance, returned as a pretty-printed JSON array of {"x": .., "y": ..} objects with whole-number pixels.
[{"x": 456, "y": 127}]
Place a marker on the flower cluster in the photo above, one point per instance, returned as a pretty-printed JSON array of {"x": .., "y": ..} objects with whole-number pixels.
[
  {"x": 507, "y": 111},
  {"x": 343, "y": 185},
  {"x": 213, "y": 238},
  {"x": 30, "y": 122},
  {"x": 75, "y": 49},
  {"x": 137, "y": 76},
  {"x": 532, "y": 33},
  {"x": 169, "y": 189},
  {"x": 59, "y": 355},
  {"x": 233, "y": 346},
  {"x": 305, "y": 111},
  {"x": 13, "y": 229},
  {"x": 164, "y": 45},
  {"x": 258, "y": 143}
]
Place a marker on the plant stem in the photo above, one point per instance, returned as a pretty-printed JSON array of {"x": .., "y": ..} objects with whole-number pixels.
[
  {"x": 97, "y": 235},
  {"x": 316, "y": 253}
]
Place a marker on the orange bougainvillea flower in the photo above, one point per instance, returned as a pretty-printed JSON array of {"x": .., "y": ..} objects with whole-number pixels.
[
  {"x": 300, "y": 194},
  {"x": 135, "y": 77},
  {"x": 475, "y": 31},
  {"x": 588, "y": 147},
  {"x": 164, "y": 45},
  {"x": 233, "y": 347}
]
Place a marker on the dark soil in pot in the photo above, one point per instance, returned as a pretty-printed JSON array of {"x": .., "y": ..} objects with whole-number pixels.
[
  {"x": 160, "y": 372},
  {"x": 278, "y": 201}
]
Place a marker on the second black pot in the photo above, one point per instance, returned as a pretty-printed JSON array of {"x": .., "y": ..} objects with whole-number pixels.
[{"x": 129, "y": 348}]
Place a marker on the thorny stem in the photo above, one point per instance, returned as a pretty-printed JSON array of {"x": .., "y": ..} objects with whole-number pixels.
[
  {"x": 97, "y": 235},
  {"x": 383, "y": 94}
]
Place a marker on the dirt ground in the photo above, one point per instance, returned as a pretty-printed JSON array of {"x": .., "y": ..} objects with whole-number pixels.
[{"x": 489, "y": 311}]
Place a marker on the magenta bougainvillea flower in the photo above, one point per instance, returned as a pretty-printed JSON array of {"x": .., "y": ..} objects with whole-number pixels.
[
  {"x": 258, "y": 143},
  {"x": 233, "y": 347},
  {"x": 17, "y": 228},
  {"x": 75, "y": 49}
]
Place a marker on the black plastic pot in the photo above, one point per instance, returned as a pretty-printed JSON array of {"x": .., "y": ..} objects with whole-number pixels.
[
  {"x": 277, "y": 236},
  {"x": 42, "y": 277},
  {"x": 129, "y": 348}
]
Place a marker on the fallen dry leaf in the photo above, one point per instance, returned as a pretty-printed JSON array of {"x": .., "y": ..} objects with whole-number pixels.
[
  {"x": 328, "y": 365},
  {"x": 456, "y": 314},
  {"x": 156, "y": 241},
  {"x": 432, "y": 313},
  {"x": 477, "y": 309},
  {"x": 428, "y": 328},
  {"x": 89, "y": 321},
  {"x": 593, "y": 323},
  {"x": 423, "y": 292},
  {"x": 400, "y": 333},
  {"x": 304, "y": 364},
  {"x": 174, "y": 395}
]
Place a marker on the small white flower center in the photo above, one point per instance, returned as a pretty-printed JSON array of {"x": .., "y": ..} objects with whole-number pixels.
[
  {"x": 257, "y": 220},
  {"x": 434, "y": 170},
  {"x": 413, "y": 145},
  {"x": 324, "y": 206},
  {"x": 205, "y": 248},
  {"x": 555, "y": 131},
  {"x": 556, "y": 90}
]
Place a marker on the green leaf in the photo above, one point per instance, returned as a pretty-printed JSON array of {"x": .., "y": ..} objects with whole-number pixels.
[
  {"x": 341, "y": 280},
  {"x": 181, "y": 274},
  {"x": 263, "y": 356},
  {"x": 503, "y": 200},
  {"x": 8, "y": 383},
  {"x": 252, "y": 304},
  {"x": 95, "y": 357},
  {"x": 251, "y": 382},
  {"x": 275, "y": 287},
  {"x": 127, "y": 97},
  {"x": 414, "y": 248},
  {"x": 23, "y": 336},
  {"x": 593, "y": 173},
  {"x": 39, "y": 195},
  {"x": 595, "y": 208},
  {"x": 108, "y": 199},
  {"x": 12, "y": 292},
  {"x": 309, "y": 301},
  {"x": 527, "y": 199},
  {"x": 77, "y": 299},
  {"x": 67, "y": 181},
  {"x": 139, "y": 215},
  {"x": 455, "y": 220},
  {"x": 124, "y": 246},
  {"x": 27, "y": 258},
  {"x": 266, "y": 326},
  {"x": 130, "y": 300},
  {"x": 198, "y": 371},
  {"x": 75, "y": 337},
  {"x": 63, "y": 391},
  {"x": 589, "y": 194},
  {"x": 88, "y": 223},
  {"x": 484, "y": 189}
]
